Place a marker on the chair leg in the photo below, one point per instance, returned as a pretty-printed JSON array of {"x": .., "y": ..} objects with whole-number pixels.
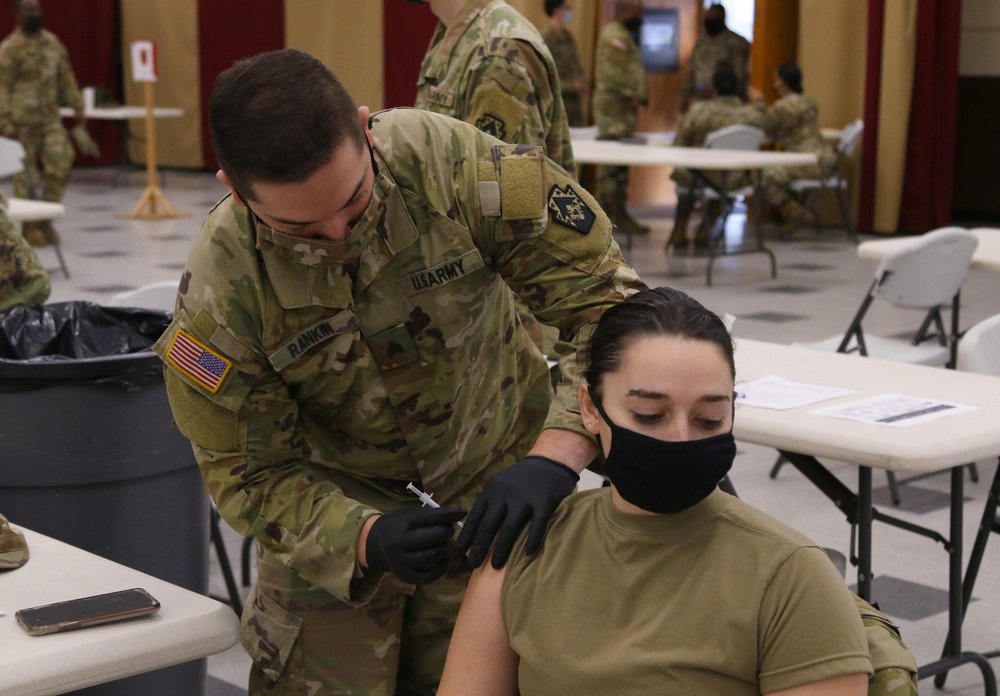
[
  {"x": 778, "y": 463},
  {"x": 227, "y": 570},
  {"x": 893, "y": 488},
  {"x": 973, "y": 472},
  {"x": 845, "y": 211},
  {"x": 62, "y": 262}
]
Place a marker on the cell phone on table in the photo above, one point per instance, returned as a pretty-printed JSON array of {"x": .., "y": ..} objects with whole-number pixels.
[{"x": 86, "y": 611}]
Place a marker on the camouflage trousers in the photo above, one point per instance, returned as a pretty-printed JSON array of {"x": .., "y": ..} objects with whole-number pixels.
[
  {"x": 49, "y": 156},
  {"x": 612, "y": 188},
  {"x": 304, "y": 641},
  {"x": 776, "y": 183},
  {"x": 574, "y": 109}
]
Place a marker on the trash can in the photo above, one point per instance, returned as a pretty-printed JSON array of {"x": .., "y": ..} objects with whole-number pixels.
[{"x": 90, "y": 455}]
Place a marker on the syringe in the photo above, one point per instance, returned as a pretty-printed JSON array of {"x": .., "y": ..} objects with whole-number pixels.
[{"x": 426, "y": 499}]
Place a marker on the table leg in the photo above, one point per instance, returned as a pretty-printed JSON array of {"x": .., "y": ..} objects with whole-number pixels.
[{"x": 865, "y": 533}]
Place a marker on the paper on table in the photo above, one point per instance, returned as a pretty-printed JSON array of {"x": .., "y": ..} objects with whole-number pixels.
[
  {"x": 781, "y": 394},
  {"x": 894, "y": 410}
]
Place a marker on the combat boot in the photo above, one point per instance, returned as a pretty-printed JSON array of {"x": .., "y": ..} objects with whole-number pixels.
[
  {"x": 629, "y": 222},
  {"x": 678, "y": 238},
  {"x": 34, "y": 235},
  {"x": 49, "y": 231},
  {"x": 713, "y": 210},
  {"x": 792, "y": 214}
]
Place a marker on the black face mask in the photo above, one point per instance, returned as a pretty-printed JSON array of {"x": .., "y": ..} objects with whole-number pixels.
[
  {"x": 665, "y": 477},
  {"x": 633, "y": 24},
  {"x": 714, "y": 27},
  {"x": 32, "y": 24}
]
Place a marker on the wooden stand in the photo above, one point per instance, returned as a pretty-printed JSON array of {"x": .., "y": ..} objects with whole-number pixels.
[{"x": 152, "y": 205}]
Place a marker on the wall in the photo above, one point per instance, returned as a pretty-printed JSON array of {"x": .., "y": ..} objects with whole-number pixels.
[{"x": 977, "y": 150}]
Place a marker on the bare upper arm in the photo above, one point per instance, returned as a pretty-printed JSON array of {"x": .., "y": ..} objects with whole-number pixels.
[
  {"x": 480, "y": 660},
  {"x": 844, "y": 685}
]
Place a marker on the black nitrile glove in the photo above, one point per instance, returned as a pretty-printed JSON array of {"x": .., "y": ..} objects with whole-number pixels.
[
  {"x": 528, "y": 491},
  {"x": 412, "y": 543}
]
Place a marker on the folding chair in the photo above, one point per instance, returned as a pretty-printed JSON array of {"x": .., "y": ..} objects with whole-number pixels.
[
  {"x": 21, "y": 210},
  {"x": 924, "y": 275},
  {"x": 810, "y": 189},
  {"x": 979, "y": 352},
  {"x": 737, "y": 137}
]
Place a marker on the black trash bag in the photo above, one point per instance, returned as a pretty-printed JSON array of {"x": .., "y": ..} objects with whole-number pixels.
[{"x": 80, "y": 342}]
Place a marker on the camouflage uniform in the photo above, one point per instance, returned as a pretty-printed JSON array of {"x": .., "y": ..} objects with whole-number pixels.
[
  {"x": 619, "y": 82},
  {"x": 36, "y": 78},
  {"x": 895, "y": 669},
  {"x": 23, "y": 280},
  {"x": 492, "y": 69},
  {"x": 562, "y": 45},
  {"x": 712, "y": 52},
  {"x": 350, "y": 369},
  {"x": 791, "y": 122},
  {"x": 703, "y": 118}
]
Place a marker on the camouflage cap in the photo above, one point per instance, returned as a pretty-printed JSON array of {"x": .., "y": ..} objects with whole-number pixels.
[{"x": 13, "y": 547}]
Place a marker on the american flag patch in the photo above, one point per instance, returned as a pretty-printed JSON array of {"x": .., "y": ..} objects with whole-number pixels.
[{"x": 204, "y": 366}]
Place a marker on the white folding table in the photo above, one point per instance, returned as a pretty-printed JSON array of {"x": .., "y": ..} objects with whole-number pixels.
[
  {"x": 698, "y": 160},
  {"x": 946, "y": 443},
  {"x": 187, "y": 627}
]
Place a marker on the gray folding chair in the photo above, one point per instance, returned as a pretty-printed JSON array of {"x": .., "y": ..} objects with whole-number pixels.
[{"x": 809, "y": 190}]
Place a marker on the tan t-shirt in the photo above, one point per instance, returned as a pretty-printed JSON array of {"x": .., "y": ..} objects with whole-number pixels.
[{"x": 718, "y": 599}]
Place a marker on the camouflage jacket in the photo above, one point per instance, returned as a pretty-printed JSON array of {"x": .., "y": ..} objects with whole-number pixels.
[
  {"x": 618, "y": 64},
  {"x": 23, "y": 280},
  {"x": 335, "y": 373},
  {"x": 791, "y": 122},
  {"x": 713, "y": 114},
  {"x": 36, "y": 78},
  {"x": 562, "y": 45},
  {"x": 492, "y": 69},
  {"x": 711, "y": 52}
]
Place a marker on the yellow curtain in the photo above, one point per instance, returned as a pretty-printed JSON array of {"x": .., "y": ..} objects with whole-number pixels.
[
  {"x": 899, "y": 42},
  {"x": 173, "y": 25},
  {"x": 347, "y": 37}
]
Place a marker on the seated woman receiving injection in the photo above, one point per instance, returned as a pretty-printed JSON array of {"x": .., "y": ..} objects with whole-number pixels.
[{"x": 662, "y": 583}]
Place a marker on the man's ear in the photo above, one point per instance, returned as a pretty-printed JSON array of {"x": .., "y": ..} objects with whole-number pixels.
[
  {"x": 224, "y": 180},
  {"x": 364, "y": 113}
]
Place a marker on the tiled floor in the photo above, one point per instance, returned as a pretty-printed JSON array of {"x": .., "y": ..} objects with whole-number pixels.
[{"x": 820, "y": 283}]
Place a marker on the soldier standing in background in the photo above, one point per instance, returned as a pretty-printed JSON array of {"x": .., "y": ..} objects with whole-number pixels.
[
  {"x": 36, "y": 78},
  {"x": 487, "y": 65},
  {"x": 619, "y": 90},
  {"x": 572, "y": 80},
  {"x": 345, "y": 326},
  {"x": 792, "y": 124},
  {"x": 727, "y": 108},
  {"x": 715, "y": 48},
  {"x": 23, "y": 280}
]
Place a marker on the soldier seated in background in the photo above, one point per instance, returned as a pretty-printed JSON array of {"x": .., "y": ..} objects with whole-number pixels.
[
  {"x": 23, "y": 280},
  {"x": 725, "y": 109}
]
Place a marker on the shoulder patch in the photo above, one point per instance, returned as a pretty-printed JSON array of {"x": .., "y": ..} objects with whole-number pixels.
[
  {"x": 492, "y": 125},
  {"x": 567, "y": 208},
  {"x": 201, "y": 364}
]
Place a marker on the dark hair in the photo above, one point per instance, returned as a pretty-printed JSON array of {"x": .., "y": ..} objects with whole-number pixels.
[
  {"x": 552, "y": 5},
  {"x": 278, "y": 117},
  {"x": 791, "y": 75},
  {"x": 725, "y": 81},
  {"x": 655, "y": 312}
]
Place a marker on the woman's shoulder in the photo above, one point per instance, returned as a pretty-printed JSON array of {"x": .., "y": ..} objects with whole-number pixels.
[{"x": 757, "y": 523}]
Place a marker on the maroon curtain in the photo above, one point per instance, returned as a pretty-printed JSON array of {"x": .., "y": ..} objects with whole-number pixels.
[
  {"x": 406, "y": 30},
  {"x": 930, "y": 146},
  {"x": 869, "y": 147},
  {"x": 90, "y": 32},
  {"x": 262, "y": 30}
]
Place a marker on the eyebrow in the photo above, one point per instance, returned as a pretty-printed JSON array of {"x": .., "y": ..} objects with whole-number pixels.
[
  {"x": 357, "y": 189},
  {"x": 658, "y": 396}
]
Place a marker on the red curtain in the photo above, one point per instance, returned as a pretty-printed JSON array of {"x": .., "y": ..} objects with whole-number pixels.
[
  {"x": 930, "y": 146},
  {"x": 252, "y": 27},
  {"x": 90, "y": 32},
  {"x": 873, "y": 79},
  {"x": 406, "y": 30}
]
